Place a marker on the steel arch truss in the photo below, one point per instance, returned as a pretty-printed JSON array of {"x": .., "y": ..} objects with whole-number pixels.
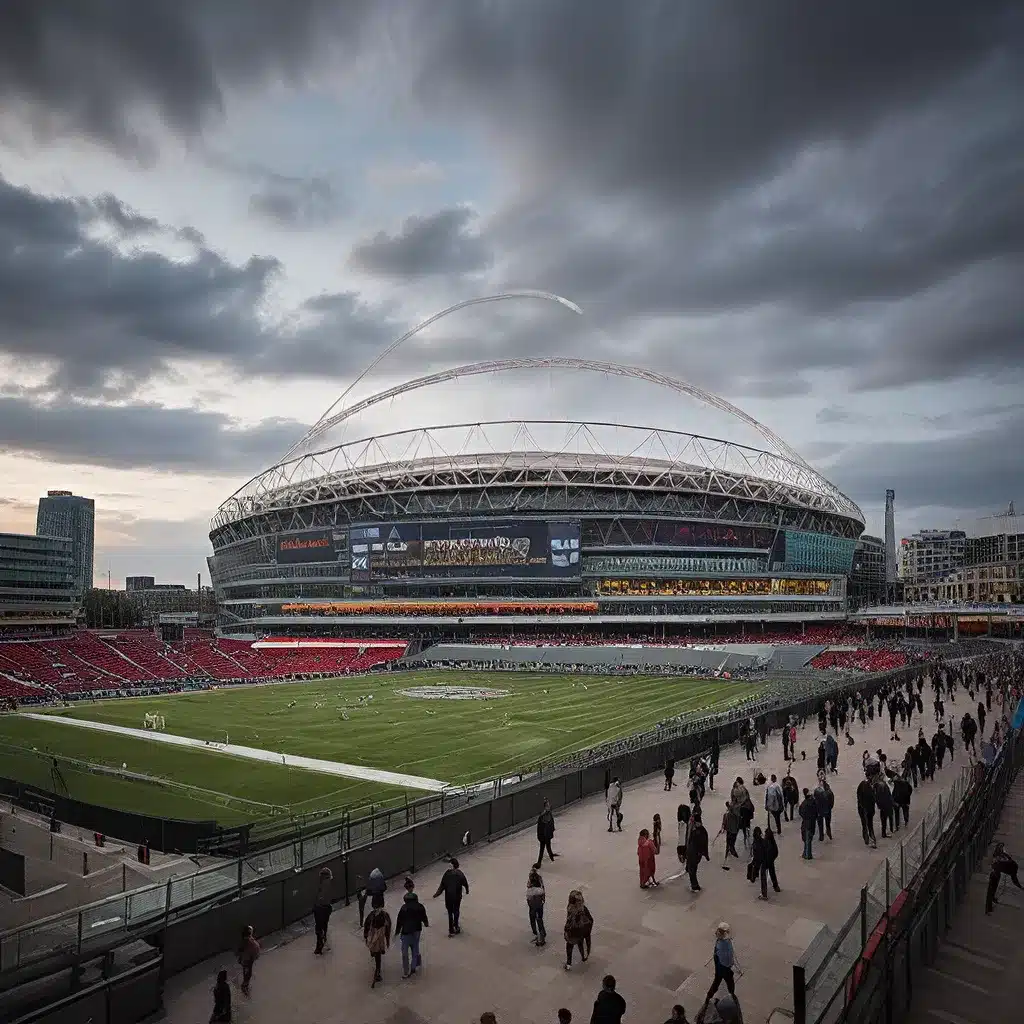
[{"x": 521, "y": 454}]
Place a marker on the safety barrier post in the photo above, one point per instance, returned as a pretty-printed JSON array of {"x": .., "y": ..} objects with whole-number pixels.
[{"x": 799, "y": 995}]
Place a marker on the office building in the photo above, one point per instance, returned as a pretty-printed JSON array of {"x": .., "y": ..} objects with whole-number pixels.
[
  {"x": 930, "y": 555},
  {"x": 37, "y": 581},
  {"x": 868, "y": 584},
  {"x": 63, "y": 514}
]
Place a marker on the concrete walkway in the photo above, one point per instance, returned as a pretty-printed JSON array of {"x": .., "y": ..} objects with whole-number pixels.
[
  {"x": 976, "y": 978},
  {"x": 658, "y": 943},
  {"x": 309, "y": 764}
]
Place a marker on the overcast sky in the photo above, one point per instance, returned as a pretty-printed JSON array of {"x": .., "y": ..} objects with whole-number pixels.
[{"x": 213, "y": 214}]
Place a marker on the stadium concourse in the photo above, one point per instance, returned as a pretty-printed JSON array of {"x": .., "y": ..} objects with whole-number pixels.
[{"x": 657, "y": 942}]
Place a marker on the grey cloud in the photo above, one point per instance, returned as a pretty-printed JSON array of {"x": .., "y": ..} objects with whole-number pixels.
[
  {"x": 441, "y": 243},
  {"x": 104, "y": 322},
  {"x": 971, "y": 470},
  {"x": 830, "y": 414},
  {"x": 97, "y": 68},
  {"x": 123, "y": 218},
  {"x": 140, "y": 436},
  {"x": 285, "y": 200},
  {"x": 694, "y": 100}
]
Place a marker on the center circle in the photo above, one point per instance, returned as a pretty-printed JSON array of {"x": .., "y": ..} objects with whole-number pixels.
[{"x": 452, "y": 693}]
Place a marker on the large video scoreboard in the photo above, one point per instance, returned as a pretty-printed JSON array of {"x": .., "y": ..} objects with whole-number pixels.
[{"x": 464, "y": 548}]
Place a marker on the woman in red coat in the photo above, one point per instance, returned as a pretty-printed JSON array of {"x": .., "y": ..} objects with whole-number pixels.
[{"x": 645, "y": 855}]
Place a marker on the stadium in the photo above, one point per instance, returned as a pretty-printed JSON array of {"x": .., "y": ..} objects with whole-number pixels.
[{"x": 489, "y": 530}]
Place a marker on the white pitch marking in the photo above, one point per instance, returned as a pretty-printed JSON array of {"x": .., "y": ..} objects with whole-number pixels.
[{"x": 312, "y": 764}]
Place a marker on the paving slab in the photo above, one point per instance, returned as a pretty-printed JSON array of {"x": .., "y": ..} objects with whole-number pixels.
[{"x": 658, "y": 943}]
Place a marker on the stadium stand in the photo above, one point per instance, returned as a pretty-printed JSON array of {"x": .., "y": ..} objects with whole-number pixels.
[{"x": 95, "y": 662}]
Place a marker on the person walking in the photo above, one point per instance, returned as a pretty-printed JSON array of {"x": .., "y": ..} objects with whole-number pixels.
[
  {"x": 832, "y": 754},
  {"x": 322, "y": 909},
  {"x": 579, "y": 926},
  {"x": 409, "y": 925},
  {"x": 785, "y": 742},
  {"x": 609, "y": 1006},
  {"x": 683, "y": 819},
  {"x": 656, "y": 834},
  {"x": 724, "y": 958},
  {"x": 901, "y": 793},
  {"x": 883, "y": 801},
  {"x": 545, "y": 833},
  {"x": 808, "y": 819},
  {"x": 713, "y": 762},
  {"x": 791, "y": 796},
  {"x": 866, "y": 813},
  {"x": 824, "y": 801},
  {"x": 771, "y": 855},
  {"x": 731, "y": 827},
  {"x": 670, "y": 772},
  {"x": 453, "y": 884},
  {"x": 613, "y": 803},
  {"x": 773, "y": 803},
  {"x": 645, "y": 856},
  {"x": 377, "y": 936},
  {"x": 535, "y": 897},
  {"x": 374, "y": 890},
  {"x": 1002, "y": 864},
  {"x": 696, "y": 850},
  {"x": 221, "y": 1000},
  {"x": 248, "y": 953}
]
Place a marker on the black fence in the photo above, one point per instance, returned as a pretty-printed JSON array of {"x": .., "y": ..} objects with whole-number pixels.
[
  {"x": 878, "y": 987},
  {"x": 125, "y": 999},
  {"x": 168, "y": 835}
]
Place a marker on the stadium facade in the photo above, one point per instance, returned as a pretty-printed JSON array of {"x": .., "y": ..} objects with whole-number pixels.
[{"x": 475, "y": 528}]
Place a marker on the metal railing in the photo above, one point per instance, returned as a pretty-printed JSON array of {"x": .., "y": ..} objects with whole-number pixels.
[
  {"x": 854, "y": 981},
  {"x": 80, "y": 931}
]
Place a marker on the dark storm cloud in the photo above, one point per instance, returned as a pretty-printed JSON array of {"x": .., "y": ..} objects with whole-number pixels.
[
  {"x": 99, "y": 68},
  {"x": 140, "y": 436},
  {"x": 70, "y": 299},
  {"x": 444, "y": 242},
  {"x": 968, "y": 470},
  {"x": 102, "y": 322},
  {"x": 695, "y": 99}
]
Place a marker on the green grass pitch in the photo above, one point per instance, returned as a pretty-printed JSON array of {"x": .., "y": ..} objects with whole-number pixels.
[{"x": 544, "y": 717}]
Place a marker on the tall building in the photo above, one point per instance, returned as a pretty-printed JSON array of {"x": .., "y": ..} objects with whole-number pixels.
[
  {"x": 868, "y": 578},
  {"x": 37, "y": 586},
  {"x": 63, "y": 514},
  {"x": 932, "y": 554},
  {"x": 890, "y": 536}
]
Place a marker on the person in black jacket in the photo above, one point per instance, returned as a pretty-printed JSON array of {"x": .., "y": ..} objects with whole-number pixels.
[
  {"x": 609, "y": 1007},
  {"x": 696, "y": 850},
  {"x": 808, "y": 820},
  {"x": 221, "y": 1000},
  {"x": 901, "y": 793},
  {"x": 883, "y": 800},
  {"x": 545, "y": 833},
  {"x": 453, "y": 884},
  {"x": 409, "y": 924},
  {"x": 866, "y": 813}
]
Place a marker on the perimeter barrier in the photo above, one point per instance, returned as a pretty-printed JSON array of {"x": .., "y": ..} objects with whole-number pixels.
[
  {"x": 868, "y": 974},
  {"x": 195, "y": 917}
]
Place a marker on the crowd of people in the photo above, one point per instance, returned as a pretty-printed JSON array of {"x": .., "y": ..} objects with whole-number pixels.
[{"x": 884, "y": 788}]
